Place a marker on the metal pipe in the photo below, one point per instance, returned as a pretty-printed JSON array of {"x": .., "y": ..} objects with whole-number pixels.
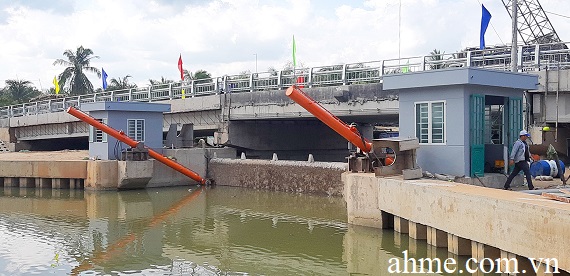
[
  {"x": 349, "y": 133},
  {"x": 119, "y": 135}
]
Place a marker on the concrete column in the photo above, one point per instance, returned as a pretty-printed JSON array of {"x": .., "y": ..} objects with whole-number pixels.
[
  {"x": 401, "y": 225},
  {"x": 417, "y": 247},
  {"x": 480, "y": 251},
  {"x": 11, "y": 182},
  {"x": 27, "y": 182},
  {"x": 72, "y": 183},
  {"x": 458, "y": 245},
  {"x": 511, "y": 262},
  {"x": 60, "y": 183},
  {"x": 417, "y": 231},
  {"x": 436, "y": 237},
  {"x": 44, "y": 183}
]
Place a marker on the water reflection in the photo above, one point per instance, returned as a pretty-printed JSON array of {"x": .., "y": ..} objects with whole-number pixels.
[{"x": 179, "y": 231}]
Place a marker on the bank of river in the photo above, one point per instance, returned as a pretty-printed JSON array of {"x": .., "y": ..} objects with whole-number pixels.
[{"x": 177, "y": 231}]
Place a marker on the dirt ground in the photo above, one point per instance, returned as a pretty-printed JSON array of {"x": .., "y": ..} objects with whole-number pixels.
[{"x": 45, "y": 155}]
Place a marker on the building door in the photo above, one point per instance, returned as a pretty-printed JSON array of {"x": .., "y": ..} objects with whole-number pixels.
[
  {"x": 515, "y": 124},
  {"x": 477, "y": 130}
]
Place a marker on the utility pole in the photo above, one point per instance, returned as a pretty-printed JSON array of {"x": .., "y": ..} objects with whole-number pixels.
[
  {"x": 255, "y": 62},
  {"x": 514, "y": 47}
]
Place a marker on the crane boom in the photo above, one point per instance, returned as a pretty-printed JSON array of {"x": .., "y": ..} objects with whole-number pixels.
[{"x": 533, "y": 24}]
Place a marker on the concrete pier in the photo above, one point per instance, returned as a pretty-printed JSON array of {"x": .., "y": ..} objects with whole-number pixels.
[{"x": 467, "y": 220}]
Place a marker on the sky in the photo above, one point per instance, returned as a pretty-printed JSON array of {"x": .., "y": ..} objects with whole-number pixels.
[{"x": 144, "y": 39}]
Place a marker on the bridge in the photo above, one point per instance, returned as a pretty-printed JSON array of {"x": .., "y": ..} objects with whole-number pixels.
[{"x": 236, "y": 106}]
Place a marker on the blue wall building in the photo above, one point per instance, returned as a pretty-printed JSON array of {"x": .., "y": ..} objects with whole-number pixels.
[
  {"x": 140, "y": 121},
  {"x": 466, "y": 119}
]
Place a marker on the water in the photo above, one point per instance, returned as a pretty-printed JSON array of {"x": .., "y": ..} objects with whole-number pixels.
[{"x": 177, "y": 231}]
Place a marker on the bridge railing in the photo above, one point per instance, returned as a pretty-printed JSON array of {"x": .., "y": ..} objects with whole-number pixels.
[{"x": 531, "y": 58}]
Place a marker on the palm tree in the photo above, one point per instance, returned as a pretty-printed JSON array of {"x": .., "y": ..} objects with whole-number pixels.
[
  {"x": 19, "y": 91},
  {"x": 118, "y": 84},
  {"x": 436, "y": 59},
  {"x": 200, "y": 76},
  {"x": 73, "y": 78},
  {"x": 162, "y": 80}
]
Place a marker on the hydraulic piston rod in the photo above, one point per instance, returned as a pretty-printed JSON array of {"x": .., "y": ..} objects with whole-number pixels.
[
  {"x": 119, "y": 135},
  {"x": 349, "y": 132}
]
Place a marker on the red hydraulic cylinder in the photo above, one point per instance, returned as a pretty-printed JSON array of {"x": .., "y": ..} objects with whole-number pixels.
[
  {"x": 132, "y": 143},
  {"x": 349, "y": 133}
]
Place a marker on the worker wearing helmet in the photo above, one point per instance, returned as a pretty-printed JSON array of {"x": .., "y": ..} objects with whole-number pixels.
[{"x": 520, "y": 156}]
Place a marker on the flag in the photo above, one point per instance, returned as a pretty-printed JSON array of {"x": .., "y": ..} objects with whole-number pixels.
[
  {"x": 56, "y": 85},
  {"x": 406, "y": 69},
  {"x": 485, "y": 19},
  {"x": 180, "y": 67},
  {"x": 294, "y": 53},
  {"x": 104, "y": 77}
]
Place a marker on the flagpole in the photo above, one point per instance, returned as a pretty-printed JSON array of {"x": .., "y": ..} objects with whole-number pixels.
[
  {"x": 514, "y": 47},
  {"x": 399, "y": 30}
]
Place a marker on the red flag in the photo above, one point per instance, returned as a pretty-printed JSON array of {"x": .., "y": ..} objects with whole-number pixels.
[{"x": 180, "y": 67}]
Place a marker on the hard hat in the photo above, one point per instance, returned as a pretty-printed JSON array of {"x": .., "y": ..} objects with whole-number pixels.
[{"x": 524, "y": 133}]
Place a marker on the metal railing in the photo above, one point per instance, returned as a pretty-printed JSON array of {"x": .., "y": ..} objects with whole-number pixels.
[{"x": 530, "y": 58}]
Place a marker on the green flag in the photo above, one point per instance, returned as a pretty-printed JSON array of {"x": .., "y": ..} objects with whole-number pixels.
[{"x": 294, "y": 53}]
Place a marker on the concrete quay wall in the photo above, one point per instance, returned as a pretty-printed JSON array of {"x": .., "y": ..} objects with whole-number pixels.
[
  {"x": 280, "y": 175},
  {"x": 468, "y": 220}
]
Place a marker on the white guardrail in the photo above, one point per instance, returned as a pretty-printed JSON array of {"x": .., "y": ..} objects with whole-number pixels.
[{"x": 530, "y": 58}]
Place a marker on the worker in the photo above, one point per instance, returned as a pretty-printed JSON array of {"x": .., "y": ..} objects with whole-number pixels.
[{"x": 520, "y": 156}]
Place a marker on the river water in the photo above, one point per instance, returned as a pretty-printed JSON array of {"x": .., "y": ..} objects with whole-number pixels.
[{"x": 182, "y": 231}]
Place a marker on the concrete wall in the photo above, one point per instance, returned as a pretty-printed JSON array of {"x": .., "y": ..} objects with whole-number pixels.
[
  {"x": 44, "y": 169},
  {"x": 194, "y": 159},
  {"x": 523, "y": 224},
  {"x": 287, "y": 176}
]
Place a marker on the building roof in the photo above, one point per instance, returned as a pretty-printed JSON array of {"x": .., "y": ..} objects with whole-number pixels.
[{"x": 461, "y": 76}]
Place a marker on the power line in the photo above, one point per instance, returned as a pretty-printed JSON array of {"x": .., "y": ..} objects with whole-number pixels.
[{"x": 561, "y": 15}]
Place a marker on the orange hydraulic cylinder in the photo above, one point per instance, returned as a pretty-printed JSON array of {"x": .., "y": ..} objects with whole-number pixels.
[
  {"x": 132, "y": 143},
  {"x": 349, "y": 133}
]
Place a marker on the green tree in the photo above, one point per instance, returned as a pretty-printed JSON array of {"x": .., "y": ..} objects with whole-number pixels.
[
  {"x": 162, "y": 80},
  {"x": 200, "y": 76},
  {"x": 436, "y": 60},
  {"x": 73, "y": 78},
  {"x": 19, "y": 91},
  {"x": 121, "y": 83}
]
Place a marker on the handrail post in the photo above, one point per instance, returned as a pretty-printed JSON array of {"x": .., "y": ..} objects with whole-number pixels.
[
  {"x": 519, "y": 59},
  {"x": 149, "y": 94},
  {"x": 170, "y": 90},
  {"x": 382, "y": 68},
  {"x": 36, "y": 107},
  {"x": 251, "y": 82},
  {"x": 279, "y": 79},
  {"x": 217, "y": 86},
  {"x": 468, "y": 61},
  {"x": 310, "y": 78},
  {"x": 344, "y": 78},
  {"x": 49, "y": 105},
  {"x": 193, "y": 88},
  {"x": 130, "y": 94},
  {"x": 79, "y": 101},
  {"x": 113, "y": 95},
  {"x": 64, "y": 107},
  {"x": 423, "y": 64},
  {"x": 537, "y": 57}
]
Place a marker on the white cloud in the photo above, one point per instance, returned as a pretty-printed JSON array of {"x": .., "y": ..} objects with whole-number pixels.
[{"x": 144, "y": 38}]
